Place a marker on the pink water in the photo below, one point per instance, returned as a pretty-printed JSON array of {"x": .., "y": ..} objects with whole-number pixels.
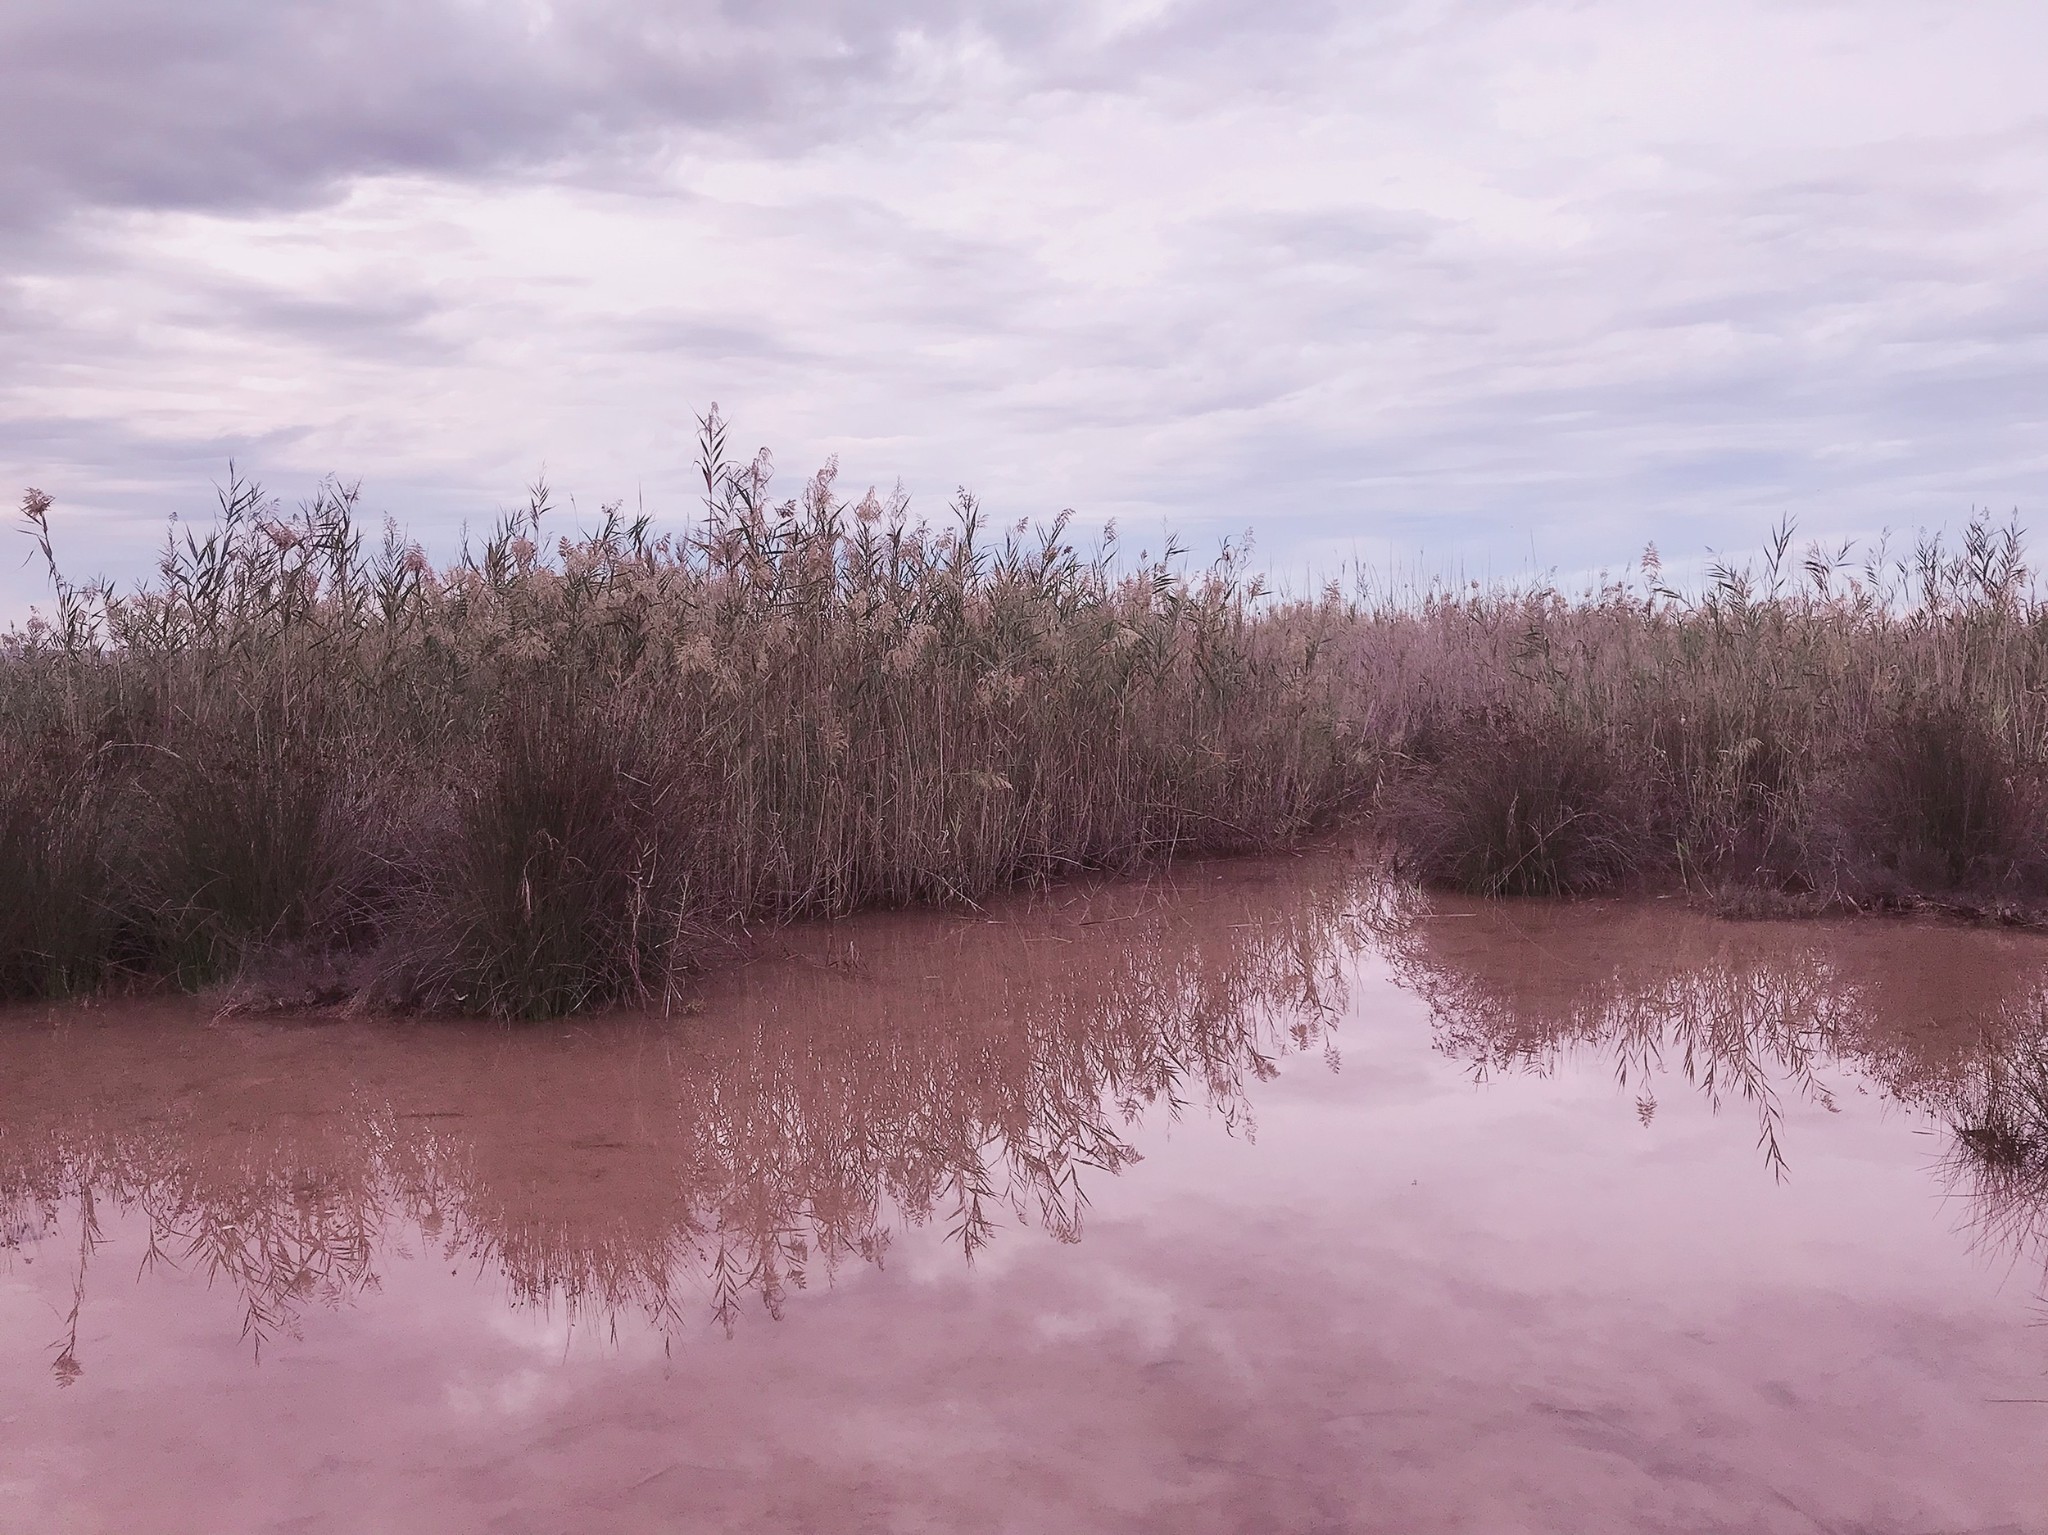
[{"x": 1269, "y": 1199}]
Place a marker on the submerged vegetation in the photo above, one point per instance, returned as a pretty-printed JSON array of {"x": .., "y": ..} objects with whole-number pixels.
[{"x": 548, "y": 777}]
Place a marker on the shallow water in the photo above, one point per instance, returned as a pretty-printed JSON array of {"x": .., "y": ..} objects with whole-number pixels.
[{"x": 1267, "y": 1198}]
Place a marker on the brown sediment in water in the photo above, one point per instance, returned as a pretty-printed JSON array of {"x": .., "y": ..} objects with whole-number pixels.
[
  {"x": 1945, "y": 1020},
  {"x": 938, "y": 1067},
  {"x": 1607, "y": 1216}
]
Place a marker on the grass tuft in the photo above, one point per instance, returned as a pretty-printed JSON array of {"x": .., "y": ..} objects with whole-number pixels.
[{"x": 1514, "y": 807}]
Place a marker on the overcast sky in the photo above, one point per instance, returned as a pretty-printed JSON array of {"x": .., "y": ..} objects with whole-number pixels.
[{"x": 1486, "y": 281}]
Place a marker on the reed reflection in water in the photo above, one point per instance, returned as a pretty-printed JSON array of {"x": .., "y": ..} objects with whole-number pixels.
[
  {"x": 1454, "y": 1285},
  {"x": 902, "y": 1069},
  {"x": 1947, "y": 1021},
  {"x": 969, "y": 1073}
]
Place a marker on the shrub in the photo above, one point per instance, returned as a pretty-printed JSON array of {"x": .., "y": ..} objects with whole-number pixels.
[{"x": 1515, "y": 807}]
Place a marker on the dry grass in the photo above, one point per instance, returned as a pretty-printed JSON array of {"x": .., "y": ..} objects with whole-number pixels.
[
  {"x": 1808, "y": 735},
  {"x": 548, "y": 778},
  {"x": 543, "y": 779}
]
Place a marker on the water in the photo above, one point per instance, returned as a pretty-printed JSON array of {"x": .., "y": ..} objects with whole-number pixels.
[{"x": 1265, "y": 1199}]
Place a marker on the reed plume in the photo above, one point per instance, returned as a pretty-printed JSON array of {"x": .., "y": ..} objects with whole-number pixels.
[{"x": 560, "y": 773}]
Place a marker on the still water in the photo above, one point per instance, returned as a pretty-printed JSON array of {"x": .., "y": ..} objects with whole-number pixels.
[{"x": 1267, "y": 1198}]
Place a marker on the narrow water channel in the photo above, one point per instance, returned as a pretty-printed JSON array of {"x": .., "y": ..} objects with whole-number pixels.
[{"x": 1267, "y": 1197}]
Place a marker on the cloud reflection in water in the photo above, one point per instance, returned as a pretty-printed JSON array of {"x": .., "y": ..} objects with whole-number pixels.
[{"x": 963, "y": 1073}]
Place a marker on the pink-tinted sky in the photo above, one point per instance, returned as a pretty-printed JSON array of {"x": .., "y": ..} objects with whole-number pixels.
[{"x": 1485, "y": 280}]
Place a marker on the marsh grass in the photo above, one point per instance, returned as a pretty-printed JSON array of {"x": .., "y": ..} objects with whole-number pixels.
[
  {"x": 59, "y": 929},
  {"x": 1808, "y": 734},
  {"x": 561, "y": 772}
]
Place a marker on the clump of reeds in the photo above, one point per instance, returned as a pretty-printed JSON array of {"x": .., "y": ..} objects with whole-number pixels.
[
  {"x": 1809, "y": 733},
  {"x": 555, "y": 774}
]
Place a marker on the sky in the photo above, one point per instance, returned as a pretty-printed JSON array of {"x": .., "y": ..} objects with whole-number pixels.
[{"x": 1470, "y": 284}]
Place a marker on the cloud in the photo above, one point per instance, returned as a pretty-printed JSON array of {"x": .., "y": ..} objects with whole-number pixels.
[
  {"x": 234, "y": 105},
  {"x": 239, "y": 104},
  {"x": 1462, "y": 274}
]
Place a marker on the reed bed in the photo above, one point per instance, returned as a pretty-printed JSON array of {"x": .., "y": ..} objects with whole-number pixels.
[
  {"x": 553, "y": 776},
  {"x": 1807, "y": 734},
  {"x": 560, "y": 772}
]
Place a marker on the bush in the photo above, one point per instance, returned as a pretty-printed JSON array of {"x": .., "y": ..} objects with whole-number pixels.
[{"x": 1515, "y": 807}]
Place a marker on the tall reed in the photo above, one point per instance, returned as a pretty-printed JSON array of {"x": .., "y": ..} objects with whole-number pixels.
[
  {"x": 542, "y": 778},
  {"x": 1806, "y": 733},
  {"x": 552, "y": 775}
]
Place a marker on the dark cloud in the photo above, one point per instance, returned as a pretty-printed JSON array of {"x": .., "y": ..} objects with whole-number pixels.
[
  {"x": 384, "y": 325},
  {"x": 53, "y": 449},
  {"x": 231, "y": 104},
  {"x": 228, "y": 105},
  {"x": 1451, "y": 269},
  {"x": 703, "y": 337}
]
